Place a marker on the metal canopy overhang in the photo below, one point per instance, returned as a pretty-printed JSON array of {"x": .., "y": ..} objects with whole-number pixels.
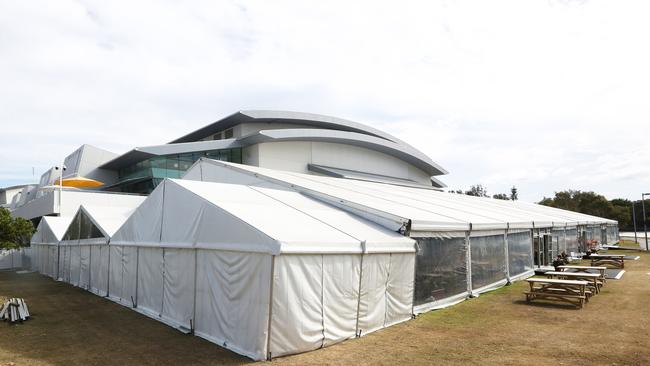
[{"x": 142, "y": 153}]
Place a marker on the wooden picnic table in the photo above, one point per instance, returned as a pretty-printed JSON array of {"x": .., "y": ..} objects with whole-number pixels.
[
  {"x": 569, "y": 291},
  {"x": 592, "y": 278},
  {"x": 585, "y": 269},
  {"x": 614, "y": 260}
]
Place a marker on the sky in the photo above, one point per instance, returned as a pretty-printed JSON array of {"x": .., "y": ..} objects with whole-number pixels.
[{"x": 543, "y": 95}]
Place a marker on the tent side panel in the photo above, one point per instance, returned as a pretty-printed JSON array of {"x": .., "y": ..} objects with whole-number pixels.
[
  {"x": 488, "y": 260},
  {"x": 84, "y": 266},
  {"x": 61, "y": 263},
  {"x": 54, "y": 258},
  {"x": 150, "y": 280},
  {"x": 232, "y": 301},
  {"x": 399, "y": 288},
  {"x": 297, "y": 316},
  {"x": 178, "y": 287},
  {"x": 95, "y": 270},
  {"x": 440, "y": 271},
  {"x": 340, "y": 296},
  {"x": 372, "y": 304},
  {"x": 129, "y": 267},
  {"x": 75, "y": 262},
  {"x": 519, "y": 252},
  {"x": 115, "y": 280}
]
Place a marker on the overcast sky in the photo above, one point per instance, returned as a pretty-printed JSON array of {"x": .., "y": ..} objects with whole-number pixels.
[{"x": 544, "y": 95}]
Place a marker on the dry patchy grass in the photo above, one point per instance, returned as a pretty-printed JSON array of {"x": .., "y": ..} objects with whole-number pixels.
[{"x": 74, "y": 327}]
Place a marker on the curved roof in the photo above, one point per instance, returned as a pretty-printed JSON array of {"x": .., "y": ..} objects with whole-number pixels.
[
  {"x": 405, "y": 153},
  {"x": 309, "y": 119},
  {"x": 298, "y": 118},
  {"x": 326, "y": 128}
]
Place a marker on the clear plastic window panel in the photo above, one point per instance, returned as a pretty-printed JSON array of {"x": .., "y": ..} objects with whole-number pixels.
[
  {"x": 73, "y": 230},
  {"x": 440, "y": 269},
  {"x": 520, "y": 258},
  {"x": 559, "y": 241},
  {"x": 571, "y": 240},
  {"x": 488, "y": 260},
  {"x": 84, "y": 227}
]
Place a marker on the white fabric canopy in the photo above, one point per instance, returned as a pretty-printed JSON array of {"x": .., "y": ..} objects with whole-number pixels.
[
  {"x": 426, "y": 209},
  {"x": 250, "y": 219}
]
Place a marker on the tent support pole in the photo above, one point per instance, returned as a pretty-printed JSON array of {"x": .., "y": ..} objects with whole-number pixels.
[
  {"x": 268, "y": 331},
  {"x": 162, "y": 298},
  {"x": 90, "y": 266},
  {"x": 58, "y": 259},
  {"x": 507, "y": 252},
  {"x": 108, "y": 270},
  {"x": 137, "y": 271},
  {"x": 468, "y": 260},
  {"x": 363, "y": 251},
  {"x": 196, "y": 263},
  {"x": 415, "y": 268}
]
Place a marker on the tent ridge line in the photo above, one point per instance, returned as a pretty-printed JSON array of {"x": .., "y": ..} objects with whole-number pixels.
[
  {"x": 307, "y": 214},
  {"x": 226, "y": 212}
]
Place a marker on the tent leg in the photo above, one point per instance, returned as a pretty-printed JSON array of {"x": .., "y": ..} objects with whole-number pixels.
[
  {"x": 137, "y": 271},
  {"x": 468, "y": 260},
  {"x": 108, "y": 271},
  {"x": 268, "y": 332},
  {"x": 507, "y": 254},
  {"x": 357, "y": 332},
  {"x": 193, "y": 320}
]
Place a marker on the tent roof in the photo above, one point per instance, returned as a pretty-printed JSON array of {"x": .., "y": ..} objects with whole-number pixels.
[
  {"x": 108, "y": 218},
  {"x": 426, "y": 209},
  {"x": 51, "y": 229},
  {"x": 238, "y": 217}
]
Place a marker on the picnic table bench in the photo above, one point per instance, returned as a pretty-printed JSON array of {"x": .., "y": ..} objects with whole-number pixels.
[
  {"x": 569, "y": 291},
  {"x": 614, "y": 260},
  {"x": 586, "y": 269},
  {"x": 592, "y": 278}
]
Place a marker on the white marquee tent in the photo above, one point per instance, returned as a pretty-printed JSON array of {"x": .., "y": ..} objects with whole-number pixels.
[
  {"x": 268, "y": 263},
  {"x": 260, "y": 270},
  {"x": 45, "y": 242},
  {"x": 466, "y": 245},
  {"x": 83, "y": 250}
]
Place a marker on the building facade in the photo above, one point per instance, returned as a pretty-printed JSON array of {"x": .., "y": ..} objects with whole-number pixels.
[{"x": 291, "y": 141}]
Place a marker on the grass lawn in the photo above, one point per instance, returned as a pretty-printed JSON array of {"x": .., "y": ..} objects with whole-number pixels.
[
  {"x": 74, "y": 327},
  {"x": 628, "y": 243}
]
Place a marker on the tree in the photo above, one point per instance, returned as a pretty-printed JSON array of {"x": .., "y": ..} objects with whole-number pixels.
[
  {"x": 14, "y": 232},
  {"x": 501, "y": 196},
  {"x": 514, "y": 195},
  {"x": 591, "y": 203},
  {"x": 477, "y": 190}
]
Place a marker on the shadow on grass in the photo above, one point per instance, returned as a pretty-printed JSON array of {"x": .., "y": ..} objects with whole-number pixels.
[{"x": 546, "y": 304}]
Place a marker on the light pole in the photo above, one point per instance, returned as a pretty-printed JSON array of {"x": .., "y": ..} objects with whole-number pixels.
[
  {"x": 60, "y": 169},
  {"x": 645, "y": 226},
  {"x": 634, "y": 222}
]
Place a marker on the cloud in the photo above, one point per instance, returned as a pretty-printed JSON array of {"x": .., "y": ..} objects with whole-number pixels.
[{"x": 542, "y": 95}]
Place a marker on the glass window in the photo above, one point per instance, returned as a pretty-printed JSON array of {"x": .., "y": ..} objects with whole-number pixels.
[
  {"x": 185, "y": 161},
  {"x": 171, "y": 162},
  {"x": 488, "y": 260},
  {"x": 217, "y": 136},
  {"x": 158, "y": 162},
  {"x": 228, "y": 134},
  {"x": 520, "y": 257},
  {"x": 235, "y": 156},
  {"x": 440, "y": 269}
]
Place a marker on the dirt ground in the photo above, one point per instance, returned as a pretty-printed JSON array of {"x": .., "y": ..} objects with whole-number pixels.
[{"x": 73, "y": 327}]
